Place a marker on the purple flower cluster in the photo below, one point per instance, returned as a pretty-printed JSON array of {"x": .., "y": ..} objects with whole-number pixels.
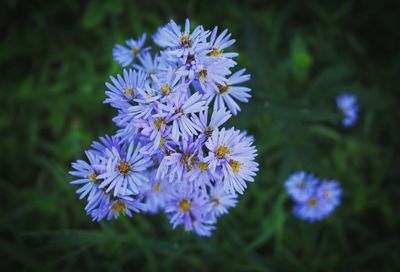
[
  {"x": 314, "y": 199},
  {"x": 170, "y": 152}
]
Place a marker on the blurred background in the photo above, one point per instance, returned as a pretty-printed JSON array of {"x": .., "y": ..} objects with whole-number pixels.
[{"x": 54, "y": 59}]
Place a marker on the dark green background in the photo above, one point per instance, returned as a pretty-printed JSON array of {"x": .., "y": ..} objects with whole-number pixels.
[{"x": 54, "y": 59}]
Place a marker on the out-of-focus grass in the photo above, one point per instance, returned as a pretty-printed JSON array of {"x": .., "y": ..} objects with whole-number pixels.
[{"x": 54, "y": 60}]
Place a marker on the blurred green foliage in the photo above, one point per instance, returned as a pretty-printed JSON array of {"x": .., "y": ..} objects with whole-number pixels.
[{"x": 54, "y": 59}]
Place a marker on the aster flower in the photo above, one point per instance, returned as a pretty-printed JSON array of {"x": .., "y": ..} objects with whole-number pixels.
[
  {"x": 227, "y": 93},
  {"x": 181, "y": 43},
  {"x": 313, "y": 209},
  {"x": 212, "y": 74},
  {"x": 232, "y": 155},
  {"x": 114, "y": 209},
  {"x": 199, "y": 175},
  {"x": 347, "y": 104},
  {"x": 330, "y": 191},
  {"x": 125, "y": 173},
  {"x": 179, "y": 110},
  {"x": 87, "y": 174},
  {"x": 220, "y": 43},
  {"x": 167, "y": 84},
  {"x": 124, "y": 55},
  {"x": 176, "y": 164},
  {"x": 221, "y": 201},
  {"x": 124, "y": 89},
  {"x": 218, "y": 118},
  {"x": 301, "y": 186},
  {"x": 189, "y": 210}
]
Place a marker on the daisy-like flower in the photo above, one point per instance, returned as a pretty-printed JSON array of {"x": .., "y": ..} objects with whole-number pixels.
[
  {"x": 301, "y": 186},
  {"x": 313, "y": 209},
  {"x": 87, "y": 174},
  {"x": 218, "y": 118},
  {"x": 167, "y": 84},
  {"x": 347, "y": 104},
  {"x": 219, "y": 43},
  {"x": 221, "y": 201},
  {"x": 330, "y": 191},
  {"x": 175, "y": 165},
  {"x": 124, "y": 55},
  {"x": 232, "y": 154},
  {"x": 124, "y": 90},
  {"x": 212, "y": 74},
  {"x": 179, "y": 111},
  {"x": 200, "y": 176},
  {"x": 189, "y": 209},
  {"x": 120, "y": 206},
  {"x": 181, "y": 43},
  {"x": 227, "y": 93},
  {"x": 124, "y": 174}
]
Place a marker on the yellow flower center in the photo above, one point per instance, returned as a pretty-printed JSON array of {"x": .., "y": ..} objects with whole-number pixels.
[
  {"x": 129, "y": 91},
  {"x": 188, "y": 160},
  {"x": 185, "y": 205},
  {"x": 165, "y": 89},
  {"x": 185, "y": 41},
  {"x": 203, "y": 74},
  {"x": 162, "y": 141},
  {"x": 215, "y": 52},
  {"x": 203, "y": 166},
  {"x": 222, "y": 88},
  {"x": 93, "y": 177},
  {"x": 156, "y": 187},
  {"x": 221, "y": 151},
  {"x": 159, "y": 122},
  {"x": 135, "y": 51},
  {"x": 124, "y": 167},
  {"x": 119, "y": 206},
  {"x": 312, "y": 202},
  {"x": 235, "y": 166}
]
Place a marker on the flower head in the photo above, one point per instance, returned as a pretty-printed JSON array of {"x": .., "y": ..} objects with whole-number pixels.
[
  {"x": 231, "y": 155},
  {"x": 227, "y": 93},
  {"x": 123, "y": 174},
  {"x": 347, "y": 103},
  {"x": 189, "y": 210},
  {"x": 124, "y": 55},
  {"x": 300, "y": 185}
]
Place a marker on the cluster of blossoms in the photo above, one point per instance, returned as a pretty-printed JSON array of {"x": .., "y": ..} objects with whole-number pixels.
[
  {"x": 314, "y": 199},
  {"x": 170, "y": 153},
  {"x": 348, "y": 106}
]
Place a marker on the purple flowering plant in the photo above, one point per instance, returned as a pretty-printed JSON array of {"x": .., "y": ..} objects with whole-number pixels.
[{"x": 171, "y": 153}]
